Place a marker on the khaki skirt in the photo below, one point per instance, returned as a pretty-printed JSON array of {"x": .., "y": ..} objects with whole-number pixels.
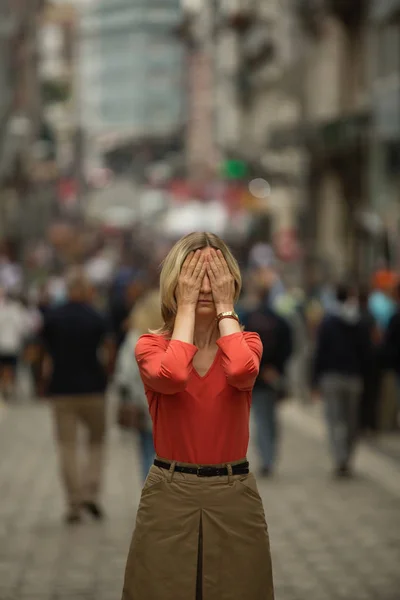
[{"x": 199, "y": 538}]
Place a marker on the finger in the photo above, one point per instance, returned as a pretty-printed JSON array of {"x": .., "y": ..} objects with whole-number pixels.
[
  {"x": 223, "y": 262},
  {"x": 194, "y": 260},
  {"x": 214, "y": 260},
  {"x": 220, "y": 264},
  {"x": 186, "y": 262},
  {"x": 199, "y": 266},
  {"x": 202, "y": 272},
  {"x": 212, "y": 270}
]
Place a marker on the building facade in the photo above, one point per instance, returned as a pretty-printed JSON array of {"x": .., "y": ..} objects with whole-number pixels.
[
  {"x": 57, "y": 75},
  {"x": 385, "y": 108},
  {"x": 334, "y": 131},
  {"x": 197, "y": 34},
  {"x": 21, "y": 125},
  {"x": 247, "y": 46}
]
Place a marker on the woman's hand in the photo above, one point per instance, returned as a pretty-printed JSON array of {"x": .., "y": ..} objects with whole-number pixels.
[
  {"x": 221, "y": 280},
  {"x": 190, "y": 279}
]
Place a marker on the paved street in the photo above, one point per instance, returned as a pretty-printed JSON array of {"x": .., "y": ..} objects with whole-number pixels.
[{"x": 330, "y": 540}]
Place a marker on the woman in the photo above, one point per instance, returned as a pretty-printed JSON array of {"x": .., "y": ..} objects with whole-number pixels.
[
  {"x": 200, "y": 529},
  {"x": 145, "y": 315}
]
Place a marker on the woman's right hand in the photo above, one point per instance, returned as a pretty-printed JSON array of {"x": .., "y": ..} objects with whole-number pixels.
[{"x": 190, "y": 279}]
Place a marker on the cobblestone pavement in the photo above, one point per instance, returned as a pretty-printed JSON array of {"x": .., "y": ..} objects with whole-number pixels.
[{"x": 330, "y": 540}]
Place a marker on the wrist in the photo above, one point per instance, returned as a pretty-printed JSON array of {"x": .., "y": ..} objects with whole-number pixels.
[
  {"x": 220, "y": 308},
  {"x": 186, "y": 308}
]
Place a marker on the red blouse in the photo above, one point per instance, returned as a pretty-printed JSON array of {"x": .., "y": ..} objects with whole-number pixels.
[{"x": 200, "y": 420}]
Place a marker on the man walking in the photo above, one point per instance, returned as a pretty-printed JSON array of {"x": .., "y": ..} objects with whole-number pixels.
[
  {"x": 75, "y": 335},
  {"x": 342, "y": 355}
]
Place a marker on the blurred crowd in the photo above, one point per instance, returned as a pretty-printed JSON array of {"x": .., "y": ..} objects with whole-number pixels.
[{"x": 334, "y": 343}]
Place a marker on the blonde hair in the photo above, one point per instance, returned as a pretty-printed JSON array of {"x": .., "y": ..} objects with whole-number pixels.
[
  {"x": 172, "y": 266},
  {"x": 146, "y": 315}
]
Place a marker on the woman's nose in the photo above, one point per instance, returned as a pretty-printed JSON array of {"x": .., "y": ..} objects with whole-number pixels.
[{"x": 205, "y": 285}]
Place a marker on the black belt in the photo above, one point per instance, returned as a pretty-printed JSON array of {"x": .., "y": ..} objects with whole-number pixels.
[{"x": 238, "y": 469}]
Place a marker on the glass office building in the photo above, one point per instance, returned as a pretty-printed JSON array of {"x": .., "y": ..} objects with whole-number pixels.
[{"x": 132, "y": 69}]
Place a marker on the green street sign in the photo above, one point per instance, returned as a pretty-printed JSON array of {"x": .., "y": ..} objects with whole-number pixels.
[{"x": 234, "y": 169}]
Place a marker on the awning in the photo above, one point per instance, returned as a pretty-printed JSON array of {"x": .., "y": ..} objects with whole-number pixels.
[
  {"x": 344, "y": 132},
  {"x": 329, "y": 136}
]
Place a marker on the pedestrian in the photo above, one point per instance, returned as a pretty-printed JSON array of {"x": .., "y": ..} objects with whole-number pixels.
[
  {"x": 38, "y": 352},
  {"x": 200, "y": 528},
  {"x": 341, "y": 359},
  {"x": 269, "y": 388},
  {"x": 33, "y": 323},
  {"x": 75, "y": 336},
  {"x": 368, "y": 416},
  {"x": 381, "y": 304},
  {"x": 263, "y": 259},
  {"x": 391, "y": 346},
  {"x": 129, "y": 284},
  {"x": 15, "y": 328},
  {"x": 145, "y": 316}
]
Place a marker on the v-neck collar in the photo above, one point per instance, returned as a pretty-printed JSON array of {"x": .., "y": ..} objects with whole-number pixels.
[{"x": 211, "y": 368}]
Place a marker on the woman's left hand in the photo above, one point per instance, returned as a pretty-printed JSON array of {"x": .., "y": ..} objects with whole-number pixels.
[{"x": 221, "y": 280}]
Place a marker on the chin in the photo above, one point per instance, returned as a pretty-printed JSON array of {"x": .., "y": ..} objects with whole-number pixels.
[{"x": 205, "y": 310}]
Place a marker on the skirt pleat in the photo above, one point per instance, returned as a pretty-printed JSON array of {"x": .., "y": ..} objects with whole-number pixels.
[{"x": 199, "y": 538}]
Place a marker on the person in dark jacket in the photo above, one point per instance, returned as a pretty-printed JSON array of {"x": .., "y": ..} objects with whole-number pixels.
[
  {"x": 76, "y": 338},
  {"x": 276, "y": 337},
  {"x": 391, "y": 344},
  {"x": 341, "y": 359}
]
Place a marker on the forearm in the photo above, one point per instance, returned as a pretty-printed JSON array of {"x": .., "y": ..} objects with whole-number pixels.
[
  {"x": 164, "y": 366},
  {"x": 227, "y": 326},
  {"x": 184, "y": 324},
  {"x": 241, "y": 355}
]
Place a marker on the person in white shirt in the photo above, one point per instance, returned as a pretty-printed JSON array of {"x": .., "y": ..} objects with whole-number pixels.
[
  {"x": 145, "y": 316},
  {"x": 14, "y": 328}
]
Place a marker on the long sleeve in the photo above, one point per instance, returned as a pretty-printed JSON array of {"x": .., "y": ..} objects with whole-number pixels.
[
  {"x": 165, "y": 366},
  {"x": 241, "y": 355}
]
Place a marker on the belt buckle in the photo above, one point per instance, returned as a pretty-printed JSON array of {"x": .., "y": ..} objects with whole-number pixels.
[{"x": 204, "y": 471}]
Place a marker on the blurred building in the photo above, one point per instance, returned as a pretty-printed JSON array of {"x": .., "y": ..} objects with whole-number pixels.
[
  {"x": 385, "y": 106},
  {"x": 131, "y": 85},
  {"x": 267, "y": 43},
  {"x": 240, "y": 53},
  {"x": 57, "y": 74},
  {"x": 196, "y": 31},
  {"x": 21, "y": 125},
  {"x": 334, "y": 126}
]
